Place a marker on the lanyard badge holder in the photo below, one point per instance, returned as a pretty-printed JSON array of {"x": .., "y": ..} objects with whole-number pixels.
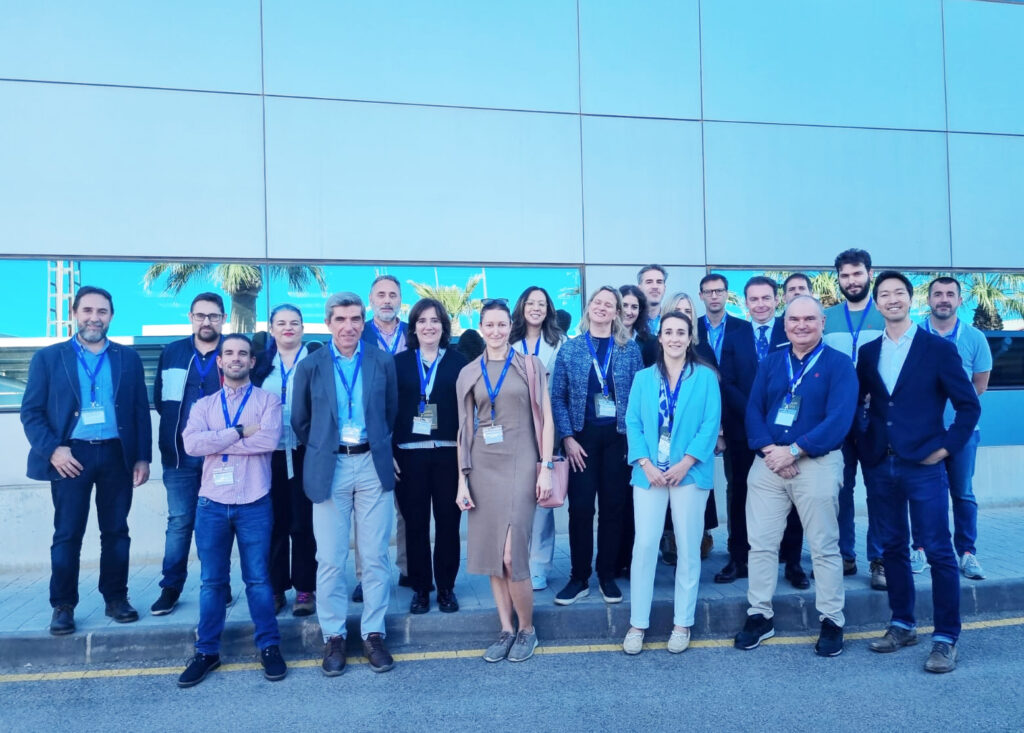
[
  {"x": 391, "y": 348},
  {"x": 855, "y": 335},
  {"x": 201, "y": 370},
  {"x": 224, "y": 475},
  {"x": 350, "y": 432},
  {"x": 493, "y": 433},
  {"x": 666, "y": 421},
  {"x": 425, "y": 420},
  {"x": 604, "y": 405},
  {"x": 790, "y": 407},
  {"x": 94, "y": 414}
]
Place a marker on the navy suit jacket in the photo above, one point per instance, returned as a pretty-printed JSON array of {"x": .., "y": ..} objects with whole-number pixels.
[
  {"x": 910, "y": 419},
  {"x": 52, "y": 403},
  {"x": 737, "y": 372},
  {"x": 315, "y": 417}
]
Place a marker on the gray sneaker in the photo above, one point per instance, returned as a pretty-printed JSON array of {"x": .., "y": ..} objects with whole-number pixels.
[
  {"x": 526, "y": 643},
  {"x": 918, "y": 561},
  {"x": 499, "y": 649},
  {"x": 970, "y": 567}
]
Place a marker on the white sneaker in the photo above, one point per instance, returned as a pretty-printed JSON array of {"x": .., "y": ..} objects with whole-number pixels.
[
  {"x": 970, "y": 567},
  {"x": 918, "y": 561},
  {"x": 679, "y": 641},
  {"x": 634, "y": 641}
]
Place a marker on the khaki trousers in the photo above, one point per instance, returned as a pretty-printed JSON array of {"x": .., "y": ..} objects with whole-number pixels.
[{"x": 815, "y": 494}]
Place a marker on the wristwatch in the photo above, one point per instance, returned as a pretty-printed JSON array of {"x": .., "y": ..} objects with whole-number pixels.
[
  {"x": 642, "y": 462},
  {"x": 241, "y": 431},
  {"x": 794, "y": 450},
  {"x": 550, "y": 465}
]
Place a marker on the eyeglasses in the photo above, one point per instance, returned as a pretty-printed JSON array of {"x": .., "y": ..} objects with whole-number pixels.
[
  {"x": 714, "y": 291},
  {"x": 211, "y": 317},
  {"x": 494, "y": 301}
]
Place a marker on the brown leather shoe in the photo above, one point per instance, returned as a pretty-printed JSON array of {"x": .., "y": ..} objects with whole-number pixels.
[
  {"x": 378, "y": 656},
  {"x": 334, "y": 656}
]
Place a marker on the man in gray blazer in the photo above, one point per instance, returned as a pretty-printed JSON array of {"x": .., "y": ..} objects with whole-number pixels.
[{"x": 344, "y": 408}]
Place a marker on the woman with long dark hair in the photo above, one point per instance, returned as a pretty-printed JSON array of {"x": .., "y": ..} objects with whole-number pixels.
[
  {"x": 675, "y": 408},
  {"x": 426, "y": 429},
  {"x": 635, "y": 318}
]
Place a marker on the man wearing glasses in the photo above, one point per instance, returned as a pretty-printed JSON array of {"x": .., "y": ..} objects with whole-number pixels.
[{"x": 186, "y": 372}]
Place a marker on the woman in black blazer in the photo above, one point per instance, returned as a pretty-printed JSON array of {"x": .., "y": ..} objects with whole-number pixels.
[{"x": 425, "y": 436}]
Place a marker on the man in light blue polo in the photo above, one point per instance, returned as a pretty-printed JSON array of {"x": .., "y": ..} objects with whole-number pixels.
[{"x": 944, "y": 299}]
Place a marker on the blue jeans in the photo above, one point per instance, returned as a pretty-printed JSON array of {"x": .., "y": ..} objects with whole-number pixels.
[
  {"x": 217, "y": 526},
  {"x": 847, "y": 529},
  {"x": 102, "y": 465},
  {"x": 182, "y": 486},
  {"x": 895, "y": 485},
  {"x": 960, "y": 467}
]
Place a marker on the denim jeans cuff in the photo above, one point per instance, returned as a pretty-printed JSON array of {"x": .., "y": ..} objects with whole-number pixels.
[{"x": 902, "y": 625}]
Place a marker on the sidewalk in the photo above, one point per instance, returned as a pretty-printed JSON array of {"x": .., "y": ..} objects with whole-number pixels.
[{"x": 26, "y": 645}]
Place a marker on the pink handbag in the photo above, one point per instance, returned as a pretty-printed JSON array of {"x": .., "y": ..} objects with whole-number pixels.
[{"x": 560, "y": 474}]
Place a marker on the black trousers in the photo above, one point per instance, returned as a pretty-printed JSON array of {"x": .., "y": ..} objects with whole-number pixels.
[
  {"x": 605, "y": 478},
  {"x": 292, "y": 544},
  {"x": 738, "y": 460},
  {"x": 428, "y": 482}
]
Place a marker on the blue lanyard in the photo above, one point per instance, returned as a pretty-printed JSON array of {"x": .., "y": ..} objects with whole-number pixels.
[
  {"x": 716, "y": 344},
  {"x": 536, "y": 349},
  {"x": 602, "y": 370},
  {"x": 91, "y": 373},
  {"x": 427, "y": 378},
  {"x": 671, "y": 397},
  {"x": 203, "y": 371},
  {"x": 228, "y": 422},
  {"x": 384, "y": 344},
  {"x": 285, "y": 373},
  {"x": 794, "y": 381},
  {"x": 860, "y": 325},
  {"x": 951, "y": 336},
  {"x": 349, "y": 388},
  {"x": 493, "y": 393}
]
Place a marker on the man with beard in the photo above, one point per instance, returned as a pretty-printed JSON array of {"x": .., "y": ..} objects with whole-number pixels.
[
  {"x": 234, "y": 432},
  {"x": 651, "y": 281},
  {"x": 186, "y": 372},
  {"x": 944, "y": 299},
  {"x": 86, "y": 417},
  {"x": 848, "y": 326}
]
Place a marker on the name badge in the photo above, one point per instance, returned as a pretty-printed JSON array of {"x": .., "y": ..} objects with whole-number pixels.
[
  {"x": 430, "y": 413},
  {"x": 493, "y": 434},
  {"x": 787, "y": 413},
  {"x": 421, "y": 425},
  {"x": 93, "y": 415},
  {"x": 604, "y": 406},
  {"x": 350, "y": 434},
  {"x": 224, "y": 476},
  {"x": 664, "y": 445}
]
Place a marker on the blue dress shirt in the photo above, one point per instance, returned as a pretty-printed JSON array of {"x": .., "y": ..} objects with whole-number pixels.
[
  {"x": 107, "y": 429},
  {"x": 348, "y": 365}
]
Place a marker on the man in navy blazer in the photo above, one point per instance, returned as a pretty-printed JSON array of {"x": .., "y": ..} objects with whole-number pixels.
[
  {"x": 906, "y": 377},
  {"x": 343, "y": 411},
  {"x": 740, "y": 359},
  {"x": 86, "y": 417}
]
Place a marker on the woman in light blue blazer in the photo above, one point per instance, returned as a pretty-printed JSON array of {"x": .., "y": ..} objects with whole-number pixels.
[{"x": 672, "y": 422}]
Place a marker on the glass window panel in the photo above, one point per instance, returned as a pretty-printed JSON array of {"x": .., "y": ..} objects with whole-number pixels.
[
  {"x": 986, "y": 175},
  {"x": 640, "y": 58},
  {"x": 642, "y": 190},
  {"x": 876, "y": 62},
  {"x": 191, "y": 44},
  {"x": 799, "y": 195},
  {"x": 386, "y": 182},
  {"x": 130, "y": 172},
  {"x": 519, "y": 54},
  {"x": 984, "y": 60}
]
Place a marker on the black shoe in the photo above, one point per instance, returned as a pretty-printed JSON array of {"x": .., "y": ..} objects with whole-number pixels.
[
  {"x": 757, "y": 629},
  {"x": 610, "y": 591},
  {"x": 572, "y": 592},
  {"x": 667, "y": 548},
  {"x": 279, "y": 602},
  {"x": 878, "y": 581},
  {"x": 447, "y": 602},
  {"x": 121, "y": 611},
  {"x": 404, "y": 582},
  {"x": 63, "y": 621},
  {"x": 196, "y": 671},
  {"x": 849, "y": 566},
  {"x": 377, "y": 655},
  {"x": 166, "y": 602},
  {"x": 334, "y": 657},
  {"x": 357, "y": 594},
  {"x": 733, "y": 570},
  {"x": 274, "y": 668},
  {"x": 830, "y": 641},
  {"x": 797, "y": 577},
  {"x": 420, "y": 603}
]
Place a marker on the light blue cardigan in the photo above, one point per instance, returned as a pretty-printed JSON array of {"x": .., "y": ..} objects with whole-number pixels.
[{"x": 694, "y": 429}]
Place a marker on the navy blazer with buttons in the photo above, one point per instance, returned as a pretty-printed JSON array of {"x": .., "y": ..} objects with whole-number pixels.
[
  {"x": 910, "y": 419},
  {"x": 52, "y": 403},
  {"x": 739, "y": 367}
]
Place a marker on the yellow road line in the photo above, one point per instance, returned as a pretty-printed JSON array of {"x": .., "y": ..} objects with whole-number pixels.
[{"x": 90, "y": 674}]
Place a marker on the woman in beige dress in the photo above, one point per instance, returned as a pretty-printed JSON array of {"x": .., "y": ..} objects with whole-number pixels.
[{"x": 499, "y": 483}]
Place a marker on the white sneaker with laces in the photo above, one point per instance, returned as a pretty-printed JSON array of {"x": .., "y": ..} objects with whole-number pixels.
[
  {"x": 918, "y": 561},
  {"x": 970, "y": 567}
]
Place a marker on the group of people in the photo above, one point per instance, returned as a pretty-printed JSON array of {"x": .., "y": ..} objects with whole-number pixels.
[{"x": 299, "y": 450}]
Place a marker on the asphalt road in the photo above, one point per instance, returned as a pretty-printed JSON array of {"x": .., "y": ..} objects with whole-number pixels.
[{"x": 778, "y": 687}]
